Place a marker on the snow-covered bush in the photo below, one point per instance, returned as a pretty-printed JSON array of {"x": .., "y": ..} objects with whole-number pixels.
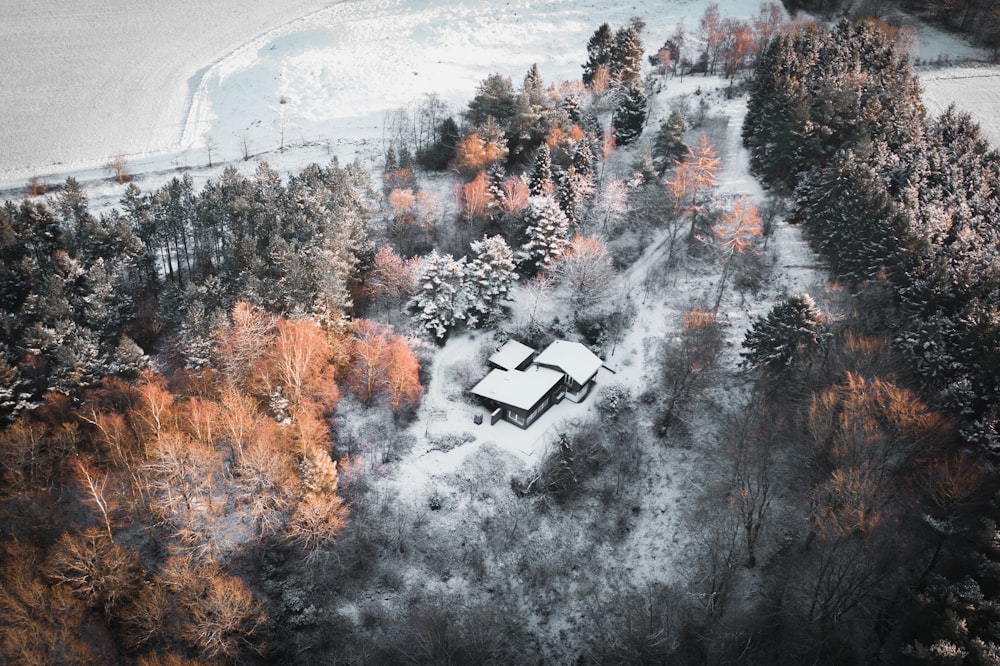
[{"x": 613, "y": 399}]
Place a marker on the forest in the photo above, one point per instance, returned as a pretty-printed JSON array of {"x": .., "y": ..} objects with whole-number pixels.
[{"x": 207, "y": 395}]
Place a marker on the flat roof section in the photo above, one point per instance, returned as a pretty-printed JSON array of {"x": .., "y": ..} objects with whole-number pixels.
[
  {"x": 517, "y": 388},
  {"x": 511, "y": 355}
]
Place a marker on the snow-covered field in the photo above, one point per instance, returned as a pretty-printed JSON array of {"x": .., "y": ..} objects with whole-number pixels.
[
  {"x": 159, "y": 82},
  {"x": 974, "y": 90},
  {"x": 87, "y": 79}
]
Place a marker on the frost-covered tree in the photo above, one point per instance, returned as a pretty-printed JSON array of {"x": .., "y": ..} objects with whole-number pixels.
[
  {"x": 626, "y": 56},
  {"x": 629, "y": 116},
  {"x": 792, "y": 327},
  {"x": 548, "y": 231},
  {"x": 540, "y": 181},
  {"x": 585, "y": 271},
  {"x": 488, "y": 279},
  {"x": 573, "y": 189},
  {"x": 850, "y": 217},
  {"x": 815, "y": 93},
  {"x": 441, "y": 301},
  {"x": 583, "y": 157},
  {"x": 65, "y": 295},
  {"x": 668, "y": 144}
]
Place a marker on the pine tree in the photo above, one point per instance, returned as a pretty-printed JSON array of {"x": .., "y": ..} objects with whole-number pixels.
[
  {"x": 570, "y": 105},
  {"x": 540, "y": 182},
  {"x": 441, "y": 301},
  {"x": 495, "y": 99},
  {"x": 583, "y": 157},
  {"x": 789, "y": 329},
  {"x": 630, "y": 115},
  {"x": 495, "y": 177},
  {"x": 777, "y": 110},
  {"x": 668, "y": 144},
  {"x": 598, "y": 52},
  {"x": 391, "y": 163},
  {"x": 488, "y": 279},
  {"x": 570, "y": 196},
  {"x": 548, "y": 231},
  {"x": 626, "y": 57},
  {"x": 850, "y": 217}
]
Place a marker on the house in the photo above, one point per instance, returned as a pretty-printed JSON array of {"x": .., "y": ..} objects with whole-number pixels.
[
  {"x": 576, "y": 362},
  {"x": 520, "y": 386},
  {"x": 521, "y": 396}
]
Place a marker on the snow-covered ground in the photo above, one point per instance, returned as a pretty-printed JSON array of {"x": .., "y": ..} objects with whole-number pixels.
[
  {"x": 339, "y": 66},
  {"x": 660, "y": 541},
  {"x": 88, "y": 79},
  {"x": 159, "y": 83},
  {"x": 974, "y": 90}
]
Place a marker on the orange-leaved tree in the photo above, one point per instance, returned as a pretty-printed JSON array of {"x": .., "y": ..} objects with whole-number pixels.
[
  {"x": 404, "y": 381},
  {"x": 369, "y": 349},
  {"x": 693, "y": 182},
  {"x": 734, "y": 232},
  {"x": 383, "y": 364}
]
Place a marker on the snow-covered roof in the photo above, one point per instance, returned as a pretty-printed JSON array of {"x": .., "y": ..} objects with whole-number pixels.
[
  {"x": 517, "y": 388},
  {"x": 511, "y": 354},
  {"x": 572, "y": 358}
]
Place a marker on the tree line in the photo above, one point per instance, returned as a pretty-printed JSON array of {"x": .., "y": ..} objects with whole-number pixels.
[{"x": 904, "y": 208}]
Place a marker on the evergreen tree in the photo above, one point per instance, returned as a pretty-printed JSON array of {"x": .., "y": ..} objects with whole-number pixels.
[
  {"x": 548, "y": 231},
  {"x": 599, "y": 50},
  {"x": 789, "y": 329},
  {"x": 488, "y": 279},
  {"x": 442, "y": 300},
  {"x": 533, "y": 119},
  {"x": 495, "y": 177},
  {"x": 630, "y": 115},
  {"x": 391, "y": 163},
  {"x": 570, "y": 105},
  {"x": 668, "y": 144},
  {"x": 626, "y": 57},
  {"x": 583, "y": 158},
  {"x": 540, "y": 181},
  {"x": 495, "y": 99},
  {"x": 776, "y": 108},
  {"x": 850, "y": 217},
  {"x": 570, "y": 195}
]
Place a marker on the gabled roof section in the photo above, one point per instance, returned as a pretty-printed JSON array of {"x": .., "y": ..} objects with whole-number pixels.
[
  {"x": 511, "y": 355},
  {"x": 517, "y": 388},
  {"x": 578, "y": 362}
]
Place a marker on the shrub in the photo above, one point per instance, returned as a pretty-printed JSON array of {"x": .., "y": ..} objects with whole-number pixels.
[
  {"x": 613, "y": 399},
  {"x": 36, "y": 188},
  {"x": 573, "y": 460}
]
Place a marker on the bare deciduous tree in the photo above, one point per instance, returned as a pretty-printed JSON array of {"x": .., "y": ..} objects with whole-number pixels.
[{"x": 105, "y": 575}]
